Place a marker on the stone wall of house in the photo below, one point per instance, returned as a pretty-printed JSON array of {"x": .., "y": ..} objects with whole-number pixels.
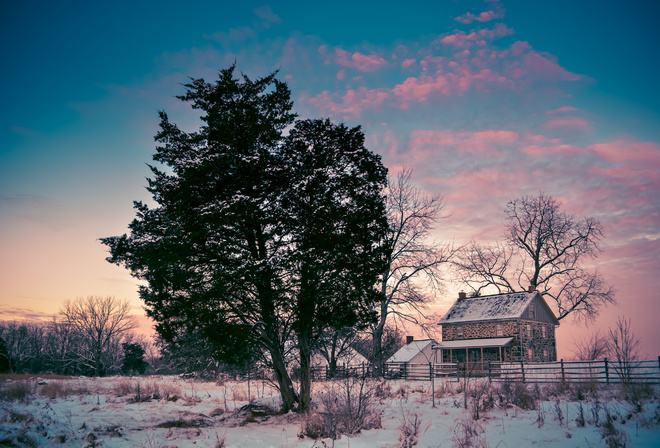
[{"x": 478, "y": 330}]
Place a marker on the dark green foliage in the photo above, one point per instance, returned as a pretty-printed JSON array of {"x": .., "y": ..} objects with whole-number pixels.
[
  {"x": 4, "y": 357},
  {"x": 133, "y": 359},
  {"x": 256, "y": 236}
]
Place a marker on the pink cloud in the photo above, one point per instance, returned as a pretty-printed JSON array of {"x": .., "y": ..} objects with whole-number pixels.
[
  {"x": 424, "y": 143},
  {"x": 352, "y": 102},
  {"x": 470, "y": 186},
  {"x": 407, "y": 63},
  {"x": 561, "y": 110},
  {"x": 538, "y": 138},
  {"x": 361, "y": 62},
  {"x": 479, "y": 37},
  {"x": 567, "y": 123},
  {"x": 341, "y": 74},
  {"x": 624, "y": 151},
  {"x": 419, "y": 89},
  {"x": 485, "y": 16},
  {"x": 535, "y": 150},
  {"x": 542, "y": 67}
]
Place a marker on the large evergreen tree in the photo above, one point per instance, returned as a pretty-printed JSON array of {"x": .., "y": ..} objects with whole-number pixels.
[{"x": 256, "y": 236}]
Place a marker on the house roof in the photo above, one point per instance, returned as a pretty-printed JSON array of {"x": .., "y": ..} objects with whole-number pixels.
[
  {"x": 471, "y": 343},
  {"x": 495, "y": 307},
  {"x": 409, "y": 351}
]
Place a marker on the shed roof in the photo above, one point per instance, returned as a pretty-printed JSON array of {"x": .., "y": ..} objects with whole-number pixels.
[
  {"x": 500, "y": 306},
  {"x": 409, "y": 351}
]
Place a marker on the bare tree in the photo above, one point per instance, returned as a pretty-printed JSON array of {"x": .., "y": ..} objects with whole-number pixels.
[
  {"x": 333, "y": 344},
  {"x": 100, "y": 321},
  {"x": 546, "y": 248},
  {"x": 624, "y": 347},
  {"x": 413, "y": 263},
  {"x": 592, "y": 347}
]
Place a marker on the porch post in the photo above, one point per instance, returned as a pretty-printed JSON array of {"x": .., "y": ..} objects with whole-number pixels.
[
  {"x": 482, "y": 358},
  {"x": 467, "y": 360}
]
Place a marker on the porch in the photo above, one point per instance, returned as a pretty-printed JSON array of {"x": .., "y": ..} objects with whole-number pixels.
[{"x": 473, "y": 354}]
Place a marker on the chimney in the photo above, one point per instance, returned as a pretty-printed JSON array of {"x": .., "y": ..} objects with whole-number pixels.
[
  {"x": 531, "y": 288},
  {"x": 461, "y": 296},
  {"x": 409, "y": 339}
]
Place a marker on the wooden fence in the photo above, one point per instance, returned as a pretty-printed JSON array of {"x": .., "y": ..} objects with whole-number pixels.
[
  {"x": 602, "y": 371},
  {"x": 323, "y": 372}
]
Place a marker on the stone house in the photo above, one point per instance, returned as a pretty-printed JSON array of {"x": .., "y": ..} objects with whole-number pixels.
[{"x": 517, "y": 326}]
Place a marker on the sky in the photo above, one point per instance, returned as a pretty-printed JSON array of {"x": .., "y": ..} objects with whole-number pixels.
[{"x": 486, "y": 101}]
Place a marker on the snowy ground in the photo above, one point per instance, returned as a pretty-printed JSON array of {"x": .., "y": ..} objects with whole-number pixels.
[{"x": 172, "y": 412}]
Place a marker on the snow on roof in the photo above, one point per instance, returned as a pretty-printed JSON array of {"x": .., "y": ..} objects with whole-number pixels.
[
  {"x": 469, "y": 343},
  {"x": 409, "y": 351},
  {"x": 501, "y": 306}
]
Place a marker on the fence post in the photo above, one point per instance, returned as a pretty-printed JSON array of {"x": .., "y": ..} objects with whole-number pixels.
[
  {"x": 458, "y": 373},
  {"x": 607, "y": 372},
  {"x": 405, "y": 370},
  {"x": 563, "y": 374},
  {"x": 522, "y": 370},
  {"x": 659, "y": 367}
]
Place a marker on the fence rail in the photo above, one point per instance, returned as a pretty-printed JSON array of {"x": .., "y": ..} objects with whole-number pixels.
[{"x": 601, "y": 371}]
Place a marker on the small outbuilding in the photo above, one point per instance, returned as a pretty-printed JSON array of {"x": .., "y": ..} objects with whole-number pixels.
[{"x": 411, "y": 359}]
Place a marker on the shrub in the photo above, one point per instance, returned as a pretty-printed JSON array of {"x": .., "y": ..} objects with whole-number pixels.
[
  {"x": 468, "y": 434},
  {"x": 611, "y": 436},
  {"x": 55, "y": 390},
  {"x": 409, "y": 430},
  {"x": 348, "y": 409},
  {"x": 15, "y": 391},
  {"x": 518, "y": 394}
]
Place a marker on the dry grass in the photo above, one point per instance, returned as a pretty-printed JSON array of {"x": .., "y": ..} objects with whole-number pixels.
[{"x": 16, "y": 390}]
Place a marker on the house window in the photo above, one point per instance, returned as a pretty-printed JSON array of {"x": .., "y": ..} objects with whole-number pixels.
[
  {"x": 530, "y": 354},
  {"x": 544, "y": 332},
  {"x": 529, "y": 331},
  {"x": 459, "y": 332},
  {"x": 545, "y": 354},
  {"x": 532, "y": 311},
  {"x": 499, "y": 331}
]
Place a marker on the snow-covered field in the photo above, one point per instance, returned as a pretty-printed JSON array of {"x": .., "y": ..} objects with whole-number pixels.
[{"x": 173, "y": 412}]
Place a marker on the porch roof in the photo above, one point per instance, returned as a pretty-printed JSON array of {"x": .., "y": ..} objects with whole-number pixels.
[{"x": 473, "y": 343}]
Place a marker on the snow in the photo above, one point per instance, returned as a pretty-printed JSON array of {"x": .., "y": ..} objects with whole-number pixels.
[
  {"x": 502, "y": 306},
  {"x": 103, "y": 412},
  {"x": 409, "y": 351}
]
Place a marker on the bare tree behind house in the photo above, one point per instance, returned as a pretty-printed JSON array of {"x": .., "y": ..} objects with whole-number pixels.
[
  {"x": 413, "y": 262},
  {"x": 546, "y": 248},
  {"x": 592, "y": 347},
  {"x": 624, "y": 348},
  {"x": 99, "y": 321}
]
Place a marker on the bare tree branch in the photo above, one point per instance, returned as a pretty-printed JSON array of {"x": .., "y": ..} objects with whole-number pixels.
[
  {"x": 414, "y": 263},
  {"x": 545, "y": 248}
]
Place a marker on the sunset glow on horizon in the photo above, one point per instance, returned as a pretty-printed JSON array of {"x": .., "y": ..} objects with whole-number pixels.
[{"x": 486, "y": 101}]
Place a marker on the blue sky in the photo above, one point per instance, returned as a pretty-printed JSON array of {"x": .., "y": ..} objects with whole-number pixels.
[{"x": 486, "y": 101}]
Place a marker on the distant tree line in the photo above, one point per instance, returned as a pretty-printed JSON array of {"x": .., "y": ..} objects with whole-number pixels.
[{"x": 90, "y": 336}]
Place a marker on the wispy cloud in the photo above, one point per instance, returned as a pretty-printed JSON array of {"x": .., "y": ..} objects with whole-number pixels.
[
  {"x": 266, "y": 13},
  {"x": 359, "y": 61},
  {"x": 485, "y": 16}
]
